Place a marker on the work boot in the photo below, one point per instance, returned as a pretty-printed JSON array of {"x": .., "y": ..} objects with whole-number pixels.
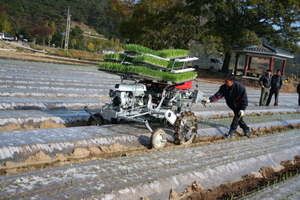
[
  {"x": 230, "y": 133},
  {"x": 247, "y": 132}
]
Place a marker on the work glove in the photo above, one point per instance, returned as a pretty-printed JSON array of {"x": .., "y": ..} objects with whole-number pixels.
[
  {"x": 205, "y": 101},
  {"x": 241, "y": 113}
]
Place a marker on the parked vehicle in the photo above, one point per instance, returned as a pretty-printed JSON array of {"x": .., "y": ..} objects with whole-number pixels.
[
  {"x": 207, "y": 63},
  {"x": 8, "y": 37}
]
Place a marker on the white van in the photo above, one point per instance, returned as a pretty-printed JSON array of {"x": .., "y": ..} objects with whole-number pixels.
[{"x": 208, "y": 64}]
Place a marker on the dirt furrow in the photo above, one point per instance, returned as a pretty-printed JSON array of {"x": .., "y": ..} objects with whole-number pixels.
[
  {"x": 211, "y": 165},
  {"x": 131, "y": 173}
]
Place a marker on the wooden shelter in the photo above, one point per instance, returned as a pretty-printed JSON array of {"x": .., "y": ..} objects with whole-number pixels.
[{"x": 261, "y": 51}]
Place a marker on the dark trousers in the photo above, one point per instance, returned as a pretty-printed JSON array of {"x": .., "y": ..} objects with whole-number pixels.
[
  {"x": 299, "y": 100},
  {"x": 274, "y": 91},
  {"x": 238, "y": 121}
]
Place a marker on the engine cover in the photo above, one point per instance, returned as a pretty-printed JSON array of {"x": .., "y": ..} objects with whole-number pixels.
[
  {"x": 124, "y": 95},
  {"x": 130, "y": 87}
]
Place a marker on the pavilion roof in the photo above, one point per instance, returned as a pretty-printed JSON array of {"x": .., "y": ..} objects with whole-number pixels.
[{"x": 263, "y": 51}]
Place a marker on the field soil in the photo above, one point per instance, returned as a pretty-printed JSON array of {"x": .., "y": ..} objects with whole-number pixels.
[
  {"x": 228, "y": 169},
  {"x": 14, "y": 50}
]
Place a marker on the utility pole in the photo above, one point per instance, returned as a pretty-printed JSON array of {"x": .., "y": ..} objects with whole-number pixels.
[{"x": 67, "y": 29}]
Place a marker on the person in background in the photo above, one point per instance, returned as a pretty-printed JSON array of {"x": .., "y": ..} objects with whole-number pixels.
[
  {"x": 298, "y": 90},
  {"x": 276, "y": 84},
  {"x": 265, "y": 83},
  {"x": 236, "y": 99}
]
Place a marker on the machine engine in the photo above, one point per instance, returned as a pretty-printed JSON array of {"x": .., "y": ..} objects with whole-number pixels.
[
  {"x": 173, "y": 96},
  {"x": 123, "y": 95}
]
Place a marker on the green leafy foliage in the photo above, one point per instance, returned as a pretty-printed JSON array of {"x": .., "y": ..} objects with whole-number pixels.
[
  {"x": 131, "y": 69},
  {"x": 115, "y": 56},
  {"x": 167, "y": 53},
  {"x": 172, "y": 53},
  {"x": 178, "y": 78},
  {"x": 119, "y": 57},
  {"x": 151, "y": 60},
  {"x": 166, "y": 76},
  {"x": 243, "y": 23},
  {"x": 5, "y": 26},
  {"x": 160, "y": 24},
  {"x": 23, "y": 15},
  {"x": 138, "y": 49},
  {"x": 173, "y": 64},
  {"x": 148, "y": 59},
  {"x": 155, "y": 61}
]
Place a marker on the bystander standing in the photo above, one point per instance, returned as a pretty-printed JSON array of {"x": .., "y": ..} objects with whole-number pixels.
[
  {"x": 265, "y": 84},
  {"x": 276, "y": 84}
]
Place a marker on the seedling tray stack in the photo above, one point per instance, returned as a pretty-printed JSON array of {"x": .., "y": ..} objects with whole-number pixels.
[{"x": 141, "y": 63}]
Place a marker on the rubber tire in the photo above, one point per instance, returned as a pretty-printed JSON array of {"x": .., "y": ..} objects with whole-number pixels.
[
  {"x": 91, "y": 121},
  {"x": 157, "y": 135}
]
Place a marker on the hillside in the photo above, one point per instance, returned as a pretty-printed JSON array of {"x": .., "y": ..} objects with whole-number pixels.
[
  {"x": 21, "y": 51},
  {"x": 26, "y": 14}
]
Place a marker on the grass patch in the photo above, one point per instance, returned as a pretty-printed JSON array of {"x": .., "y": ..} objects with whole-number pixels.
[
  {"x": 178, "y": 78},
  {"x": 166, "y": 76},
  {"x": 138, "y": 49},
  {"x": 151, "y": 60},
  {"x": 153, "y": 65},
  {"x": 173, "y": 53},
  {"x": 117, "y": 57},
  {"x": 166, "y": 53}
]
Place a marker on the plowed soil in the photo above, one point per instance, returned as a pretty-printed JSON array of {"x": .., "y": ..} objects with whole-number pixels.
[{"x": 248, "y": 184}]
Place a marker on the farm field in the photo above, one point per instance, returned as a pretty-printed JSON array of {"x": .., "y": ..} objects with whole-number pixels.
[{"x": 47, "y": 151}]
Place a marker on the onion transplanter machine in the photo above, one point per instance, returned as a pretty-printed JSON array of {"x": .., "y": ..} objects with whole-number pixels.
[{"x": 153, "y": 88}]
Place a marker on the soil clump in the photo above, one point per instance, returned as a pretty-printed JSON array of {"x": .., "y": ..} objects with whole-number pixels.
[
  {"x": 41, "y": 160},
  {"x": 249, "y": 183}
]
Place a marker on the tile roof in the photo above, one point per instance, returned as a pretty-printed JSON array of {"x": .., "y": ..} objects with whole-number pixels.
[{"x": 264, "y": 49}]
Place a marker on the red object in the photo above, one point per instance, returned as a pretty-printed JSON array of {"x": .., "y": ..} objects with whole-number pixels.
[{"x": 185, "y": 86}]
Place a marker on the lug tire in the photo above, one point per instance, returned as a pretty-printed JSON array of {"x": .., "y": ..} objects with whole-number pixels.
[{"x": 185, "y": 124}]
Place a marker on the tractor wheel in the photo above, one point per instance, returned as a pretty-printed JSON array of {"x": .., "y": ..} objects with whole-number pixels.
[
  {"x": 158, "y": 139},
  {"x": 91, "y": 121},
  {"x": 185, "y": 127}
]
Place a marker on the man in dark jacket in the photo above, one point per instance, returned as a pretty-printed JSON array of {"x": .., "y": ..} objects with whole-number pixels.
[
  {"x": 276, "y": 84},
  {"x": 237, "y": 100},
  {"x": 298, "y": 90},
  {"x": 265, "y": 83}
]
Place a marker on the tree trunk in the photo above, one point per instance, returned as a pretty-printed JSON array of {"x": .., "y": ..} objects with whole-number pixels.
[{"x": 225, "y": 68}]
